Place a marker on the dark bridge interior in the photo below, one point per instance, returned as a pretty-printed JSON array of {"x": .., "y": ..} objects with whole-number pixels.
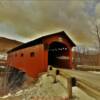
[{"x": 58, "y": 55}]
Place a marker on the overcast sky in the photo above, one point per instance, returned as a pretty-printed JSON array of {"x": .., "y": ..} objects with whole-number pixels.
[{"x": 25, "y": 19}]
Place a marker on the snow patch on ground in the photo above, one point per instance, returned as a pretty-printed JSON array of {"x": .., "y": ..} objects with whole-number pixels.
[
  {"x": 95, "y": 72},
  {"x": 46, "y": 89},
  {"x": 78, "y": 94}
]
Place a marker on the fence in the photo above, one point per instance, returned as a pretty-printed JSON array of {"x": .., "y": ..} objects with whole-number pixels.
[{"x": 72, "y": 81}]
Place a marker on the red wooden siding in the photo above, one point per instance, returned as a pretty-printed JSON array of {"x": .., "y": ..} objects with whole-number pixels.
[{"x": 27, "y": 63}]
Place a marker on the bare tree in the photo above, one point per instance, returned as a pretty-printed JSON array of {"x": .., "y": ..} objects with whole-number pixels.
[{"x": 98, "y": 36}]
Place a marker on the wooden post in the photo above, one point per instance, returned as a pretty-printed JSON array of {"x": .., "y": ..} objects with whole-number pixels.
[
  {"x": 69, "y": 88},
  {"x": 50, "y": 68},
  {"x": 57, "y": 72},
  {"x": 70, "y": 58},
  {"x": 55, "y": 79}
]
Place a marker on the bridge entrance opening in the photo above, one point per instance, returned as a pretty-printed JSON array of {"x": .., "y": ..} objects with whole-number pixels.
[{"x": 58, "y": 55}]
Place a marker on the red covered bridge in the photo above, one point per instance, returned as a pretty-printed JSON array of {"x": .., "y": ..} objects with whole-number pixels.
[{"x": 35, "y": 56}]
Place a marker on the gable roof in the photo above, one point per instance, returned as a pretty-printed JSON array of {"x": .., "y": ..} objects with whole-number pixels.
[{"x": 39, "y": 41}]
